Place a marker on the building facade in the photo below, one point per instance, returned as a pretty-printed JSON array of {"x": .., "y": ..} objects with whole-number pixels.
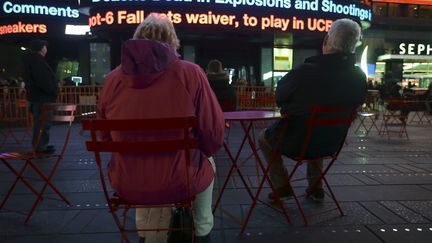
[{"x": 400, "y": 43}]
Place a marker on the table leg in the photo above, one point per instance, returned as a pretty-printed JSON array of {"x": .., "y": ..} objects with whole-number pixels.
[
  {"x": 261, "y": 184},
  {"x": 234, "y": 167}
]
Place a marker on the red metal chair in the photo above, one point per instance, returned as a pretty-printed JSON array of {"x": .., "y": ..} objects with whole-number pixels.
[
  {"x": 396, "y": 115},
  {"x": 115, "y": 202},
  {"x": 50, "y": 113},
  {"x": 328, "y": 119},
  {"x": 369, "y": 113},
  {"x": 420, "y": 116}
]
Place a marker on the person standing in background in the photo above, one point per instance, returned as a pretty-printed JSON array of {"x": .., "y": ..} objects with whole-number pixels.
[
  {"x": 42, "y": 87},
  {"x": 219, "y": 82}
]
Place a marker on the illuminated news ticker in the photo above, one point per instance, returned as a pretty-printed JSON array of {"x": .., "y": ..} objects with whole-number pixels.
[
  {"x": 23, "y": 28},
  {"x": 343, "y": 8},
  {"x": 125, "y": 17}
]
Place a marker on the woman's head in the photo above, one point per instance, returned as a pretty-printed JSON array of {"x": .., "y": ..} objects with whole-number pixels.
[
  {"x": 214, "y": 66},
  {"x": 157, "y": 27}
]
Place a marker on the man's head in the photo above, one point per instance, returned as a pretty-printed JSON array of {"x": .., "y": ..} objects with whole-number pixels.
[
  {"x": 157, "y": 27},
  {"x": 214, "y": 66},
  {"x": 342, "y": 37},
  {"x": 39, "y": 46}
]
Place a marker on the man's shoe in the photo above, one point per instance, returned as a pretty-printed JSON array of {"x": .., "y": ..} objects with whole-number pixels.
[
  {"x": 317, "y": 195},
  {"x": 284, "y": 194},
  {"x": 203, "y": 239}
]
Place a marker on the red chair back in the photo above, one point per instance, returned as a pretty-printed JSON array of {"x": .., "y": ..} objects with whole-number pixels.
[
  {"x": 156, "y": 143},
  {"x": 62, "y": 113},
  {"x": 327, "y": 126},
  {"x": 58, "y": 113},
  {"x": 141, "y": 125}
]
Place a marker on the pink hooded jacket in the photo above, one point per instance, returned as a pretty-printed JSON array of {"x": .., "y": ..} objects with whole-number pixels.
[{"x": 152, "y": 82}]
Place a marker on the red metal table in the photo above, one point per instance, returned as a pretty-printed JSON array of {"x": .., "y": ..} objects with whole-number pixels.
[{"x": 247, "y": 119}]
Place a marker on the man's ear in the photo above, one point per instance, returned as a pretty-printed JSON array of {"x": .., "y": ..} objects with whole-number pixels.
[
  {"x": 325, "y": 40},
  {"x": 324, "y": 45}
]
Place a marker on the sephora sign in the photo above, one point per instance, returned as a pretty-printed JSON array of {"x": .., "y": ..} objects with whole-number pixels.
[{"x": 415, "y": 49}]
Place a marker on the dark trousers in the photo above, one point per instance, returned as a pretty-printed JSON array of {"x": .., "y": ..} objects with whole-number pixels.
[
  {"x": 278, "y": 173},
  {"x": 36, "y": 110}
]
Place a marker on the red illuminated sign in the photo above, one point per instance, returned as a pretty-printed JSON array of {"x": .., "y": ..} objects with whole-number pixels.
[
  {"x": 23, "y": 28},
  {"x": 426, "y": 2},
  {"x": 268, "y": 22}
]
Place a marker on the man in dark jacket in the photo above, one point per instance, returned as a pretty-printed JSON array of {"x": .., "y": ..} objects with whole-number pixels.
[
  {"x": 331, "y": 79},
  {"x": 42, "y": 87}
]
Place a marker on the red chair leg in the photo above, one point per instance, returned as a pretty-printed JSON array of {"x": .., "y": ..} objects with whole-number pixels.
[
  {"x": 123, "y": 234},
  {"x": 333, "y": 197},
  {"x": 47, "y": 183},
  {"x": 300, "y": 208},
  {"x": 256, "y": 198},
  {"x": 18, "y": 177},
  {"x": 261, "y": 184}
]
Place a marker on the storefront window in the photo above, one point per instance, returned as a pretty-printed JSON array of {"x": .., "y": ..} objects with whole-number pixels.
[
  {"x": 189, "y": 53},
  {"x": 66, "y": 70},
  {"x": 394, "y": 10},
  {"x": 425, "y": 11},
  {"x": 413, "y": 10},
  {"x": 282, "y": 59},
  {"x": 266, "y": 66},
  {"x": 380, "y": 9},
  {"x": 418, "y": 73},
  {"x": 100, "y": 62}
]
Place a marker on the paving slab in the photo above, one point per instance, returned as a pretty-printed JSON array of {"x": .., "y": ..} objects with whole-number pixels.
[
  {"x": 422, "y": 208},
  {"x": 403, "y": 178},
  {"x": 366, "y": 179},
  {"x": 382, "y": 192},
  {"x": 406, "y": 213},
  {"x": 381, "y": 161},
  {"x": 304, "y": 235}
]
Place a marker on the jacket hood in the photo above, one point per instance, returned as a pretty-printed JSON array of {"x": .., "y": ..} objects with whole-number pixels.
[{"x": 143, "y": 61}]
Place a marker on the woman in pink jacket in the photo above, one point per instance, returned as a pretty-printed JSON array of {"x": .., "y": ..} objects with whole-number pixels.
[{"x": 152, "y": 82}]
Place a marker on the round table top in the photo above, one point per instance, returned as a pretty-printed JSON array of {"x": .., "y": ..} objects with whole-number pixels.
[{"x": 251, "y": 115}]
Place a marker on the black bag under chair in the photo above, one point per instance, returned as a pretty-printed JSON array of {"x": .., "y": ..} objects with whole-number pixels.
[{"x": 182, "y": 219}]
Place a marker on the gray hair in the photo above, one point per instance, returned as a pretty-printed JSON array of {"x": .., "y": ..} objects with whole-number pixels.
[
  {"x": 157, "y": 27},
  {"x": 343, "y": 36}
]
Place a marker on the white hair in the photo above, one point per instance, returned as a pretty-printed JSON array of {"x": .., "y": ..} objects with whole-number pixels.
[
  {"x": 157, "y": 27},
  {"x": 343, "y": 36}
]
